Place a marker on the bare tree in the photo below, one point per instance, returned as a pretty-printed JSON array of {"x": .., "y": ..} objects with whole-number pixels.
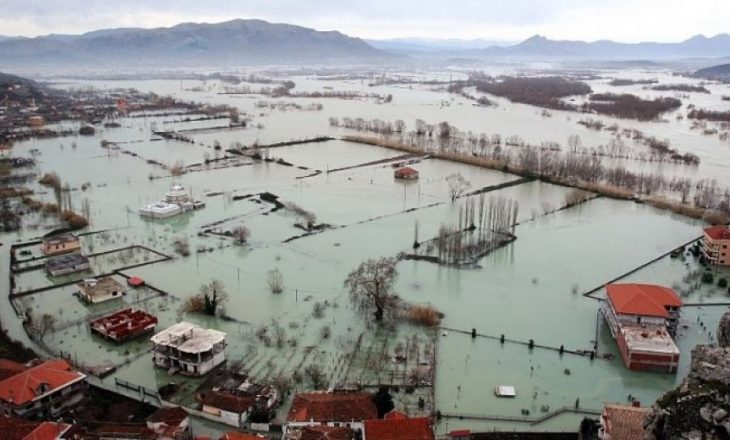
[
  {"x": 316, "y": 376},
  {"x": 214, "y": 295},
  {"x": 275, "y": 280},
  {"x": 241, "y": 234},
  {"x": 458, "y": 184},
  {"x": 44, "y": 325},
  {"x": 371, "y": 286}
]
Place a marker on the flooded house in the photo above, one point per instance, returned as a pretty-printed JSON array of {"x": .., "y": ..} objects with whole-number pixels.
[
  {"x": 48, "y": 389},
  {"x": 189, "y": 349},
  {"x": 123, "y": 325},
  {"x": 406, "y": 173},
  {"x": 232, "y": 409},
  {"x": 177, "y": 200},
  {"x": 643, "y": 320},
  {"x": 66, "y": 264},
  {"x": 715, "y": 245},
  {"x": 336, "y": 409},
  {"x": 60, "y": 244},
  {"x": 94, "y": 290}
]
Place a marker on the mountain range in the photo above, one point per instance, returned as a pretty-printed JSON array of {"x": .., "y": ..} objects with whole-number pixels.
[
  {"x": 236, "y": 42},
  {"x": 257, "y": 42}
]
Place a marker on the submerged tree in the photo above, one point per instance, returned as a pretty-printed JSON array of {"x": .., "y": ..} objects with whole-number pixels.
[
  {"x": 458, "y": 184},
  {"x": 275, "y": 280},
  {"x": 214, "y": 294},
  {"x": 371, "y": 286},
  {"x": 241, "y": 234}
]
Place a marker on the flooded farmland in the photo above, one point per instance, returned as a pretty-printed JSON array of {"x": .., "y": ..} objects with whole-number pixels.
[{"x": 523, "y": 300}]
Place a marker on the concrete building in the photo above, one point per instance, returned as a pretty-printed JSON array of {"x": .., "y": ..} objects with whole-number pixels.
[
  {"x": 716, "y": 245},
  {"x": 232, "y": 409},
  {"x": 46, "y": 390},
  {"x": 66, "y": 264},
  {"x": 643, "y": 320},
  {"x": 60, "y": 244},
  {"x": 160, "y": 210},
  {"x": 189, "y": 349},
  {"x": 94, "y": 290}
]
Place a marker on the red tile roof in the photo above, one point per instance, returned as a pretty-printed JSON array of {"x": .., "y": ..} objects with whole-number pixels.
[
  {"x": 399, "y": 428},
  {"x": 642, "y": 299},
  {"x": 405, "y": 172},
  {"x": 718, "y": 232},
  {"x": 326, "y": 433},
  {"x": 235, "y": 435},
  {"x": 10, "y": 368},
  {"x": 332, "y": 407},
  {"x": 173, "y": 415},
  {"x": 47, "y": 431},
  {"x": 229, "y": 402},
  {"x": 135, "y": 281},
  {"x": 625, "y": 422},
  {"x": 24, "y": 387}
]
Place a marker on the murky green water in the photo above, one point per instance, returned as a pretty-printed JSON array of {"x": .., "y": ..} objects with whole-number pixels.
[{"x": 530, "y": 289}]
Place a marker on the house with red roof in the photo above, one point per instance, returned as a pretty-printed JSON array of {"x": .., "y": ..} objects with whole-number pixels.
[
  {"x": 170, "y": 423},
  {"x": 715, "y": 245},
  {"x": 14, "y": 428},
  {"x": 45, "y": 390},
  {"x": 337, "y": 409},
  {"x": 10, "y": 368},
  {"x": 232, "y": 409},
  {"x": 398, "y": 426},
  {"x": 406, "y": 173},
  {"x": 643, "y": 320},
  {"x": 622, "y": 422}
]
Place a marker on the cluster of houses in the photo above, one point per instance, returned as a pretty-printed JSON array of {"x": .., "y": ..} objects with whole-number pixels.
[
  {"x": 65, "y": 258},
  {"x": 176, "y": 201}
]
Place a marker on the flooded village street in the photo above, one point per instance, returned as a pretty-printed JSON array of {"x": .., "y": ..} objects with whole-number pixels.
[{"x": 520, "y": 315}]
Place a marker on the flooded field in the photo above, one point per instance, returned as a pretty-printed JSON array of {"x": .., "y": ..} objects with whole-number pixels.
[{"x": 530, "y": 289}]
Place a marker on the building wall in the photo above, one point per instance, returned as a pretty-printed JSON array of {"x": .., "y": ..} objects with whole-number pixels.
[
  {"x": 69, "y": 246},
  {"x": 716, "y": 251}
]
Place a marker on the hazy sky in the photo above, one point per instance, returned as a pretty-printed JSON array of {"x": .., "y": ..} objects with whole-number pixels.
[{"x": 511, "y": 20}]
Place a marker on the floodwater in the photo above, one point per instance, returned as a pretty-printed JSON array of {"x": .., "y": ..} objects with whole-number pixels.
[{"x": 530, "y": 289}]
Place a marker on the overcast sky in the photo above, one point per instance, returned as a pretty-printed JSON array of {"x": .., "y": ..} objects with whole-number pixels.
[{"x": 506, "y": 20}]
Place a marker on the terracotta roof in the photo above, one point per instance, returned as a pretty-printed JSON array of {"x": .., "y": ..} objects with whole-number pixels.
[
  {"x": 718, "y": 232},
  {"x": 625, "y": 422},
  {"x": 406, "y": 171},
  {"x": 326, "y": 433},
  {"x": 48, "y": 431},
  {"x": 399, "y": 428},
  {"x": 642, "y": 299},
  {"x": 24, "y": 387},
  {"x": 14, "y": 428},
  {"x": 332, "y": 407},
  {"x": 173, "y": 415},
  {"x": 10, "y": 368},
  {"x": 229, "y": 402}
]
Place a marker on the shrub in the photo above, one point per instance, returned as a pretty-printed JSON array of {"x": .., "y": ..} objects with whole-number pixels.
[
  {"x": 707, "y": 277},
  {"x": 424, "y": 315},
  {"x": 51, "y": 179},
  {"x": 722, "y": 282},
  {"x": 74, "y": 220}
]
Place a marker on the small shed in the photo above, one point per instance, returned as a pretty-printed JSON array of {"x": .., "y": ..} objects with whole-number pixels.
[
  {"x": 505, "y": 391},
  {"x": 406, "y": 173},
  {"x": 135, "y": 282}
]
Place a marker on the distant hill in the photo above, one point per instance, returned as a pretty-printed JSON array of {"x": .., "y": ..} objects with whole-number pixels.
[
  {"x": 237, "y": 42},
  {"x": 541, "y": 47},
  {"x": 720, "y": 72}
]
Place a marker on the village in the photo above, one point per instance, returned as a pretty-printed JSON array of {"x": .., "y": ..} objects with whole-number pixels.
[{"x": 221, "y": 284}]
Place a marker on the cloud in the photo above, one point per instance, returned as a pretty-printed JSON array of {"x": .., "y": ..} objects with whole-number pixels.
[{"x": 621, "y": 20}]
